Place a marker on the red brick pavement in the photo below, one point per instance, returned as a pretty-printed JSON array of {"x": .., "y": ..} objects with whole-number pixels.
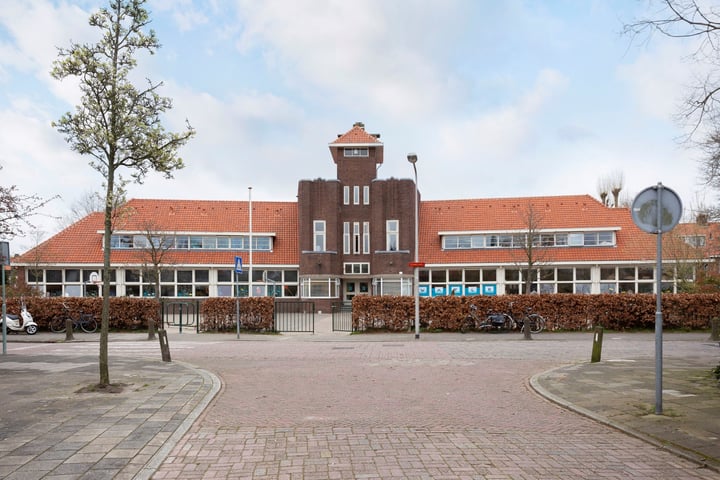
[{"x": 399, "y": 409}]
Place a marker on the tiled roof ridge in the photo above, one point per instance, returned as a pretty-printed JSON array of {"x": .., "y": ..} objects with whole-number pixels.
[
  {"x": 520, "y": 200},
  {"x": 357, "y": 136}
]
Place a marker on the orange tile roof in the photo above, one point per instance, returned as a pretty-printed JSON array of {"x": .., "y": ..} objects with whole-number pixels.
[
  {"x": 82, "y": 244},
  {"x": 581, "y": 212},
  {"x": 357, "y": 136}
]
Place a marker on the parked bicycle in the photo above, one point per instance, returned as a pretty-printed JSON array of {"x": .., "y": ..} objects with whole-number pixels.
[
  {"x": 84, "y": 321},
  {"x": 535, "y": 321},
  {"x": 502, "y": 321}
]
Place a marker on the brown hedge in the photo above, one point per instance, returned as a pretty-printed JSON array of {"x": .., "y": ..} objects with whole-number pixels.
[
  {"x": 219, "y": 314},
  {"x": 561, "y": 311},
  {"x": 125, "y": 313}
]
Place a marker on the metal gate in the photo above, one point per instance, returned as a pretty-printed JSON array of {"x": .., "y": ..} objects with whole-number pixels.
[
  {"x": 342, "y": 317},
  {"x": 294, "y": 316},
  {"x": 181, "y": 313}
]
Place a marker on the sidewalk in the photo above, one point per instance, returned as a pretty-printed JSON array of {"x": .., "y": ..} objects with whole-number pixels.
[
  {"x": 49, "y": 430},
  {"x": 622, "y": 395}
]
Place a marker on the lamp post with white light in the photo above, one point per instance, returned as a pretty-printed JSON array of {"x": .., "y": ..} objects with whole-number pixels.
[{"x": 412, "y": 158}]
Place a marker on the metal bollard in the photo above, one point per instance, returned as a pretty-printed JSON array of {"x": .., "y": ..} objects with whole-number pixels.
[
  {"x": 164, "y": 345},
  {"x": 597, "y": 345}
]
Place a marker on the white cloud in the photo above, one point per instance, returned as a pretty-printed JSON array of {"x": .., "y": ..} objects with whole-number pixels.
[
  {"x": 501, "y": 134},
  {"x": 658, "y": 78},
  {"x": 378, "y": 56}
]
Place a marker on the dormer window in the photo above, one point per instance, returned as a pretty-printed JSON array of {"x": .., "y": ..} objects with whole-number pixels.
[{"x": 356, "y": 152}]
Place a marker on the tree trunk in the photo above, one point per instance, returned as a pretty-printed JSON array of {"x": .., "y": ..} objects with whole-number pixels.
[{"x": 105, "y": 319}]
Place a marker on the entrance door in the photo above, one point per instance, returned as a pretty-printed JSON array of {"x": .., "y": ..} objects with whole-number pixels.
[{"x": 355, "y": 287}]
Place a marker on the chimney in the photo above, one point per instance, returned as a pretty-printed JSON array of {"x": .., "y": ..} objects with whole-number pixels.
[{"x": 702, "y": 219}]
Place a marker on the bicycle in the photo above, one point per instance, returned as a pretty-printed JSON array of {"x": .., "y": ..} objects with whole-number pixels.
[
  {"x": 493, "y": 321},
  {"x": 536, "y": 322},
  {"x": 502, "y": 321},
  {"x": 85, "y": 322}
]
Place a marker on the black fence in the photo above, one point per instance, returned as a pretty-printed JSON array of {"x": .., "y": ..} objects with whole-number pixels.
[
  {"x": 292, "y": 316},
  {"x": 342, "y": 317}
]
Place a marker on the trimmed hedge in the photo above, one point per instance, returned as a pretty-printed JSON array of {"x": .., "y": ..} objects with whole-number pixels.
[
  {"x": 561, "y": 311},
  {"x": 219, "y": 314},
  {"x": 126, "y": 313}
]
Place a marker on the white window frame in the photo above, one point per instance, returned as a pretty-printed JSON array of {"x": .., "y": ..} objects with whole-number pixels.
[
  {"x": 346, "y": 195},
  {"x": 366, "y": 237},
  {"x": 356, "y": 195},
  {"x": 319, "y": 236},
  {"x": 366, "y": 195},
  {"x": 392, "y": 235},
  {"x": 356, "y": 238},
  {"x": 346, "y": 238}
]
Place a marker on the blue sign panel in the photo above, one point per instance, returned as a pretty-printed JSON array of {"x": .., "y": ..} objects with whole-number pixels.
[
  {"x": 424, "y": 290},
  {"x": 238, "y": 265},
  {"x": 489, "y": 289},
  {"x": 472, "y": 290},
  {"x": 456, "y": 290},
  {"x": 438, "y": 291}
]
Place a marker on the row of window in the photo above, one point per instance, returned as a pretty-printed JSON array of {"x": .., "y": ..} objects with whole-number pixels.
[
  {"x": 356, "y": 152},
  {"x": 520, "y": 240},
  {"x": 285, "y": 283},
  {"x": 356, "y": 195},
  {"x": 355, "y": 241},
  {"x": 173, "y": 283},
  {"x": 627, "y": 279},
  {"x": 192, "y": 242}
]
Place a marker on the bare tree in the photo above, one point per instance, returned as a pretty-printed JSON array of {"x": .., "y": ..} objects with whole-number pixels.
[
  {"x": 611, "y": 184},
  {"x": 16, "y": 210},
  {"x": 603, "y": 190},
  {"x": 154, "y": 257},
  {"x": 89, "y": 202},
  {"x": 529, "y": 247},
  {"x": 686, "y": 250},
  {"x": 690, "y": 21},
  {"x": 617, "y": 183}
]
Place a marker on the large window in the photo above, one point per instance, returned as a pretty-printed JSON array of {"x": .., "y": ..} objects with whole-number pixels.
[
  {"x": 70, "y": 282},
  {"x": 194, "y": 242},
  {"x": 320, "y": 287},
  {"x": 319, "y": 235},
  {"x": 519, "y": 240},
  {"x": 392, "y": 228}
]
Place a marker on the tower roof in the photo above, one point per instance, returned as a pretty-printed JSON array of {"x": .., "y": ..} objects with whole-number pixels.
[{"x": 357, "y": 136}]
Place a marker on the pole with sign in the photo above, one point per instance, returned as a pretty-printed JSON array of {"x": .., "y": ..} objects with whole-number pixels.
[
  {"x": 238, "y": 271},
  {"x": 657, "y": 210}
]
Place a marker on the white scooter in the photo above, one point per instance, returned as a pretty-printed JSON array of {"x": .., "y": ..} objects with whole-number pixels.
[{"x": 22, "y": 322}]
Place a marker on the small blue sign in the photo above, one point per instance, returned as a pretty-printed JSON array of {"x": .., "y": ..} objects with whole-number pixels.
[
  {"x": 238, "y": 265},
  {"x": 472, "y": 290},
  {"x": 424, "y": 291},
  {"x": 490, "y": 289}
]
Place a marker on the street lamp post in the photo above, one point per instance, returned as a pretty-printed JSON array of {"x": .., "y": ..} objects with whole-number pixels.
[{"x": 412, "y": 158}]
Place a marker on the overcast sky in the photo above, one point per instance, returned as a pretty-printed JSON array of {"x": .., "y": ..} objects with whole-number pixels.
[{"x": 497, "y": 98}]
